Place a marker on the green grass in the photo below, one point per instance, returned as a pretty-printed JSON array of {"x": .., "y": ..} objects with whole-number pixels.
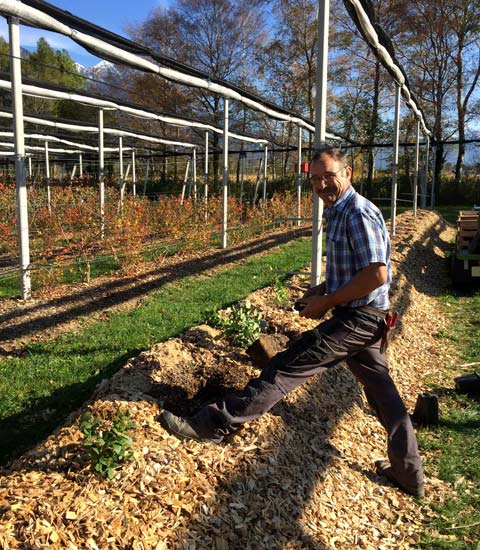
[
  {"x": 53, "y": 378},
  {"x": 450, "y": 212},
  {"x": 456, "y": 443}
]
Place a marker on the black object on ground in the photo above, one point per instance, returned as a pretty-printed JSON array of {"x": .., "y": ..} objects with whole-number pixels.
[
  {"x": 426, "y": 410},
  {"x": 469, "y": 383}
]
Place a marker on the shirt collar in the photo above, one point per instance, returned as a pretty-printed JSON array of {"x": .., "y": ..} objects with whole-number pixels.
[{"x": 340, "y": 203}]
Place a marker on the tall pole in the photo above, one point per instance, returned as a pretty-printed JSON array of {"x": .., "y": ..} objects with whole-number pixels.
[
  {"x": 205, "y": 174},
  {"x": 264, "y": 194},
  {"x": 432, "y": 193},
  {"x": 101, "y": 173},
  {"x": 425, "y": 174},
  {"x": 120, "y": 169},
  {"x": 47, "y": 175},
  {"x": 205, "y": 177},
  {"x": 225, "y": 173},
  {"x": 415, "y": 177},
  {"x": 20, "y": 176},
  {"x": 30, "y": 166},
  {"x": 194, "y": 160},
  {"x": 393, "y": 205},
  {"x": 299, "y": 177},
  {"x": 320, "y": 129},
  {"x": 80, "y": 165},
  {"x": 134, "y": 174}
]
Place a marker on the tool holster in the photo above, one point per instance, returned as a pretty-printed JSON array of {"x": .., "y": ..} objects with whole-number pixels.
[{"x": 390, "y": 326}]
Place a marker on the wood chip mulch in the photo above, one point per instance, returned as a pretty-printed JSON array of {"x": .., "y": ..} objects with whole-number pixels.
[{"x": 301, "y": 477}]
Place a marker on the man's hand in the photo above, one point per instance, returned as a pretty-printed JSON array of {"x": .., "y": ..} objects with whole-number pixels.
[
  {"x": 317, "y": 306},
  {"x": 318, "y": 290}
]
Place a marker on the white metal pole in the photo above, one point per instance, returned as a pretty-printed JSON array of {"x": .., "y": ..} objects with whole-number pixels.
[
  {"x": 195, "y": 174},
  {"x": 264, "y": 194},
  {"x": 425, "y": 174},
  {"x": 299, "y": 177},
  {"x": 134, "y": 174},
  {"x": 80, "y": 165},
  {"x": 415, "y": 177},
  {"x": 101, "y": 172},
  {"x": 396, "y": 128},
  {"x": 20, "y": 176},
  {"x": 74, "y": 171},
  {"x": 206, "y": 168},
  {"x": 30, "y": 166},
  {"x": 432, "y": 193},
  {"x": 225, "y": 173},
  {"x": 120, "y": 169},
  {"x": 185, "y": 178},
  {"x": 320, "y": 129},
  {"x": 47, "y": 175}
]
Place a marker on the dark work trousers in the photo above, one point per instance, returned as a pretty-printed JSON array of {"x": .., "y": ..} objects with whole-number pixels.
[{"x": 350, "y": 335}]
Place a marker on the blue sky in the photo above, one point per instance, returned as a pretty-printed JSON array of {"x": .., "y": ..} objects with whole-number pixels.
[{"x": 114, "y": 15}]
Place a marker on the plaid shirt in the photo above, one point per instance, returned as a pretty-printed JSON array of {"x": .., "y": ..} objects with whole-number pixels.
[{"x": 356, "y": 237}]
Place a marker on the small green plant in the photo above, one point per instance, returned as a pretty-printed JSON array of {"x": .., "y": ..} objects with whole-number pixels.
[
  {"x": 241, "y": 324},
  {"x": 282, "y": 296},
  {"x": 107, "y": 447}
]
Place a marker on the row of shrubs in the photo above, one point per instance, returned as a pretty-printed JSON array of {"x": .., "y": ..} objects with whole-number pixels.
[{"x": 73, "y": 230}]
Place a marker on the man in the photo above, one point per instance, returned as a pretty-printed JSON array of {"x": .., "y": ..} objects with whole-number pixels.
[{"x": 356, "y": 290}]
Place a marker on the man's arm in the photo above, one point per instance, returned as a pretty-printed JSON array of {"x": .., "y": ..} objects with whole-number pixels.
[{"x": 365, "y": 281}]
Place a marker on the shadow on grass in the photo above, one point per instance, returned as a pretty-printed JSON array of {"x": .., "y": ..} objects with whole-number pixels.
[{"x": 25, "y": 321}]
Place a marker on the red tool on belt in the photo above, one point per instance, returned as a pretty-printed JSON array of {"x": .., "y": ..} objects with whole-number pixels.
[{"x": 390, "y": 324}]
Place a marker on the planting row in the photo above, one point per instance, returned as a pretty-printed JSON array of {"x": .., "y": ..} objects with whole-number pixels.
[{"x": 71, "y": 229}]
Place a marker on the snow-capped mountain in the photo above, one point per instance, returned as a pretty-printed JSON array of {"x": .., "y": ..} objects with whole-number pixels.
[{"x": 99, "y": 71}]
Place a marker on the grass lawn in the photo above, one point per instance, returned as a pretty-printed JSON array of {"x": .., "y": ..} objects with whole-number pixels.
[
  {"x": 53, "y": 378},
  {"x": 456, "y": 443}
]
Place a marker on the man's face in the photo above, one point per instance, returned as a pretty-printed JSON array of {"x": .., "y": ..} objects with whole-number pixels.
[{"x": 329, "y": 179}]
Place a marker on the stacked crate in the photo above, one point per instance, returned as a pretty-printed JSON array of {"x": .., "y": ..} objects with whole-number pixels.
[{"x": 468, "y": 225}]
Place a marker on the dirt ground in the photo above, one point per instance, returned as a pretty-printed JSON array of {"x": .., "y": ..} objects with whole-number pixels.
[{"x": 301, "y": 477}]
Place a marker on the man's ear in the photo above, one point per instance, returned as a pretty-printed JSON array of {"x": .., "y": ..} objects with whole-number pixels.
[{"x": 348, "y": 172}]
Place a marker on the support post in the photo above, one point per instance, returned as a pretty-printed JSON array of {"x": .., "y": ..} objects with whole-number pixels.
[
  {"x": 80, "y": 166},
  {"x": 101, "y": 172},
  {"x": 20, "y": 176},
  {"x": 120, "y": 169},
  {"x": 264, "y": 193},
  {"x": 299, "y": 177},
  {"x": 393, "y": 202},
  {"x": 194, "y": 161},
  {"x": 432, "y": 193},
  {"x": 320, "y": 130},
  {"x": 425, "y": 174},
  {"x": 415, "y": 177},
  {"x": 225, "y": 174},
  {"x": 134, "y": 174},
  {"x": 205, "y": 177},
  {"x": 185, "y": 179},
  {"x": 47, "y": 175}
]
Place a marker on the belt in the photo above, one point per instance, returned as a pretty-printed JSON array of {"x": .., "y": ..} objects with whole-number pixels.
[{"x": 379, "y": 314}]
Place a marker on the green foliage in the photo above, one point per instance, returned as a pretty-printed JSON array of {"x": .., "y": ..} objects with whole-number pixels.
[
  {"x": 282, "y": 296},
  {"x": 241, "y": 323},
  {"x": 107, "y": 448}
]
